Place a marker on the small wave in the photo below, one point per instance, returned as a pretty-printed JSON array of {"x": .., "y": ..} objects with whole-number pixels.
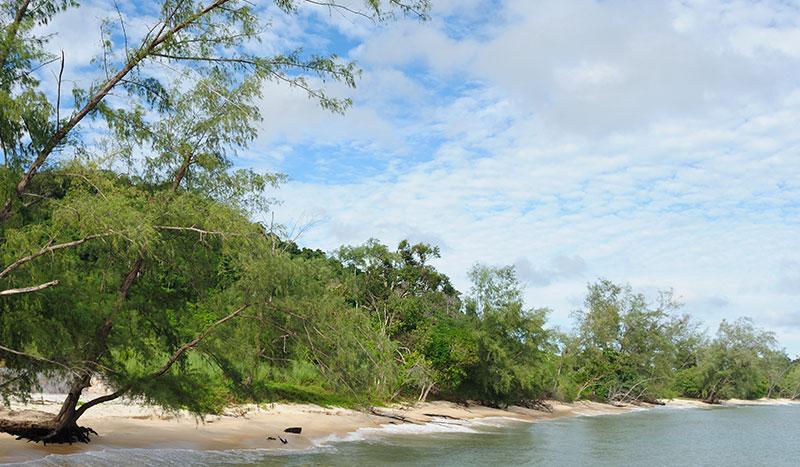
[
  {"x": 182, "y": 456},
  {"x": 497, "y": 422},
  {"x": 165, "y": 457},
  {"x": 437, "y": 426},
  {"x": 678, "y": 407}
]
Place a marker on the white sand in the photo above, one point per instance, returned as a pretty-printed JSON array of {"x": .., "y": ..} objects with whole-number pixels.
[{"x": 126, "y": 424}]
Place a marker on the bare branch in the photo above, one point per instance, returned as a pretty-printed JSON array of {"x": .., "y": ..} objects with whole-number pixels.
[
  {"x": 36, "y": 357},
  {"x": 34, "y": 288},
  {"x": 124, "y": 32},
  {"x": 194, "y": 229},
  {"x": 335, "y": 6},
  {"x": 58, "y": 98},
  {"x": 242, "y": 61}
]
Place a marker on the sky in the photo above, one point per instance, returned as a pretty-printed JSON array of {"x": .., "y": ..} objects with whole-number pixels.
[{"x": 651, "y": 143}]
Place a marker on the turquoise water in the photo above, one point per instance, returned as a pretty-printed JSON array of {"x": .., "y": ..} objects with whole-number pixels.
[{"x": 724, "y": 436}]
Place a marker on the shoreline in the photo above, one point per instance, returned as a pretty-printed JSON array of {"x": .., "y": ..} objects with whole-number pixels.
[{"x": 128, "y": 425}]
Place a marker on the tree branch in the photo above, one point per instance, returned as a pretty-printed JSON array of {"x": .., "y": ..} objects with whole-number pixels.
[
  {"x": 161, "y": 371},
  {"x": 242, "y": 61},
  {"x": 34, "y": 288},
  {"x": 193, "y": 229},
  {"x": 335, "y": 6},
  {"x": 36, "y": 357},
  {"x": 58, "y": 98},
  {"x": 421, "y": 14},
  {"x": 49, "y": 249}
]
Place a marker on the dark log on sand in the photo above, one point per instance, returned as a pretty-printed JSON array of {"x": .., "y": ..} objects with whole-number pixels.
[
  {"x": 295, "y": 429},
  {"x": 437, "y": 415},
  {"x": 401, "y": 418}
]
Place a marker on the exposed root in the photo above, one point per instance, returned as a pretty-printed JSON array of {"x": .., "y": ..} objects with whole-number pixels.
[{"x": 46, "y": 432}]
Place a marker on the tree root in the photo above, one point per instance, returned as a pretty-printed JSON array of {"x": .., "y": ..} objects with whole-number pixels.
[{"x": 46, "y": 432}]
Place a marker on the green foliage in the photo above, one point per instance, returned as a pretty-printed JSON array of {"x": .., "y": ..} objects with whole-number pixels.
[
  {"x": 790, "y": 383},
  {"x": 626, "y": 348},
  {"x": 450, "y": 344},
  {"x": 512, "y": 346},
  {"x": 736, "y": 363},
  {"x": 300, "y": 381}
]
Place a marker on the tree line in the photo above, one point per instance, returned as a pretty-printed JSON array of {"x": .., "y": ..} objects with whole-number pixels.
[{"x": 130, "y": 254}]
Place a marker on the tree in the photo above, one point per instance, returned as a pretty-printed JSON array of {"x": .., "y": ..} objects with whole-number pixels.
[
  {"x": 408, "y": 300},
  {"x": 513, "y": 349},
  {"x": 397, "y": 287},
  {"x": 791, "y": 381},
  {"x": 628, "y": 349},
  {"x": 119, "y": 276},
  {"x": 733, "y": 365}
]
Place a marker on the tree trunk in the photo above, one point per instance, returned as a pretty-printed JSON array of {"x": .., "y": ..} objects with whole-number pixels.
[
  {"x": 712, "y": 395},
  {"x": 63, "y": 428},
  {"x": 66, "y": 429},
  {"x": 427, "y": 391}
]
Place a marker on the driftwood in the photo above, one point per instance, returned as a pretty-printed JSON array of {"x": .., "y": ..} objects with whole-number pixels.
[
  {"x": 652, "y": 401},
  {"x": 441, "y": 416},
  {"x": 401, "y": 418},
  {"x": 295, "y": 429}
]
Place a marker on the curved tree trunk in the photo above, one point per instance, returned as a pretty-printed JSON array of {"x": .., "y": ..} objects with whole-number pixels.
[{"x": 62, "y": 428}]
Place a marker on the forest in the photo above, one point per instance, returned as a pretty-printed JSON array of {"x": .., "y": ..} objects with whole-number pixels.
[{"x": 132, "y": 253}]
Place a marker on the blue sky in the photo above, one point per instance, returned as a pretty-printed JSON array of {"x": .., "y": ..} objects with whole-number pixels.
[{"x": 654, "y": 143}]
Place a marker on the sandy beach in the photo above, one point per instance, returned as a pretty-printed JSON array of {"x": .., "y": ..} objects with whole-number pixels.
[{"x": 127, "y": 424}]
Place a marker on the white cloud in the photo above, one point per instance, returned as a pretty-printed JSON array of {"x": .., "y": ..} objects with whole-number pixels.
[{"x": 641, "y": 143}]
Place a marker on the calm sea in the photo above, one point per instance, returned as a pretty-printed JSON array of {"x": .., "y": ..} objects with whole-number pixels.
[{"x": 719, "y": 436}]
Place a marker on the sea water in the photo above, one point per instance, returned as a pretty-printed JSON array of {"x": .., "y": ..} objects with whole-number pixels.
[{"x": 714, "y": 436}]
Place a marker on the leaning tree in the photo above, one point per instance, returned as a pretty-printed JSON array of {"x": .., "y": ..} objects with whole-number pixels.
[{"x": 125, "y": 231}]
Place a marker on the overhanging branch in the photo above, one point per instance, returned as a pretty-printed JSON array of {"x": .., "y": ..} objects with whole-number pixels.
[{"x": 165, "y": 368}]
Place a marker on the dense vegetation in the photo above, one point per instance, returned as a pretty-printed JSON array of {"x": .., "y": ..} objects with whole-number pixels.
[{"x": 130, "y": 256}]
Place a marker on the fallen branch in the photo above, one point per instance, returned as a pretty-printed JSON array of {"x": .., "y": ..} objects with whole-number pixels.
[
  {"x": 437, "y": 415},
  {"x": 401, "y": 418}
]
